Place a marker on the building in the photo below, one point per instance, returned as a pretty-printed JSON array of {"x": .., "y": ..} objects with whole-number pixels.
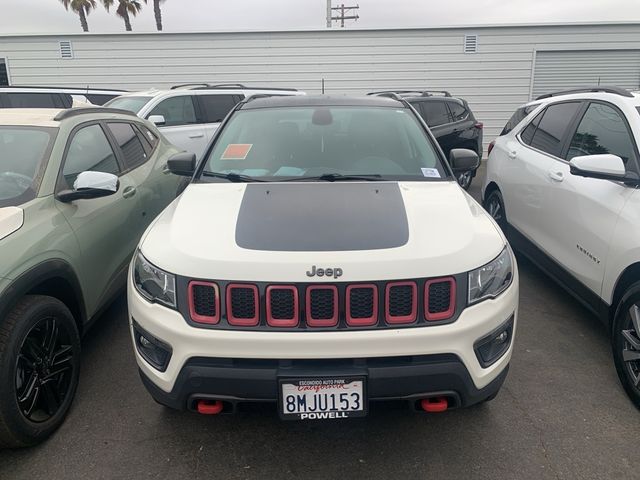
[{"x": 496, "y": 68}]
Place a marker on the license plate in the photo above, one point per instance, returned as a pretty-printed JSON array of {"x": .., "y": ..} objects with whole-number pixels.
[{"x": 322, "y": 398}]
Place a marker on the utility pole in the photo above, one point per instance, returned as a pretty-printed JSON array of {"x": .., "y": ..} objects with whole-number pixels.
[{"x": 343, "y": 13}]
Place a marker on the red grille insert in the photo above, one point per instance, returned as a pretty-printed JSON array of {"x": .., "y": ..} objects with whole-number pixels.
[
  {"x": 242, "y": 305},
  {"x": 439, "y": 298},
  {"x": 401, "y": 302},
  {"x": 204, "y": 302},
  {"x": 362, "y": 305},
  {"x": 322, "y": 306},
  {"x": 282, "y": 306}
]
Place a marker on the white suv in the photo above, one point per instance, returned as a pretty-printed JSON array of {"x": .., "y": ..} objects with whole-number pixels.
[
  {"x": 562, "y": 181},
  {"x": 323, "y": 257},
  {"x": 189, "y": 114}
]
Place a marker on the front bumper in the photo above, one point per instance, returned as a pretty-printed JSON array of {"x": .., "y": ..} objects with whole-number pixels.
[{"x": 196, "y": 353}]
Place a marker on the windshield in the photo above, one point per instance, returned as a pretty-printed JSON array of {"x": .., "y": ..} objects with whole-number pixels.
[
  {"x": 133, "y": 104},
  {"x": 22, "y": 155},
  {"x": 273, "y": 143}
]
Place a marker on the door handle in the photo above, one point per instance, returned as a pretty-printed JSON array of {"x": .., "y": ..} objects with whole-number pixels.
[
  {"x": 196, "y": 135},
  {"x": 129, "y": 192},
  {"x": 513, "y": 154},
  {"x": 556, "y": 176}
]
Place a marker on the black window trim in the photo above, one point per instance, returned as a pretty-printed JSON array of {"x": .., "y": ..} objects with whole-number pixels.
[
  {"x": 60, "y": 182},
  {"x": 196, "y": 109},
  {"x": 567, "y": 140},
  {"x": 588, "y": 103}
]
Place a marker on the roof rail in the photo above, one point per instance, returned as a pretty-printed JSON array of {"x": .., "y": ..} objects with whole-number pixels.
[
  {"x": 188, "y": 85},
  {"x": 598, "y": 88},
  {"x": 245, "y": 87},
  {"x": 420, "y": 93},
  {"x": 74, "y": 112}
]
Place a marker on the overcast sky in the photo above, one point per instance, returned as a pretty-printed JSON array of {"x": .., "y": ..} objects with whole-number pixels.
[{"x": 46, "y": 16}]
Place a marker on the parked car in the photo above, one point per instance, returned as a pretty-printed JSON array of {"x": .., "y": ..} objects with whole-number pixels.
[
  {"x": 450, "y": 119},
  {"x": 189, "y": 114},
  {"x": 77, "y": 190},
  {"x": 54, "y": 97},
  {"x": 322, "y": 258},
  {"x": 563, "y": 182}
]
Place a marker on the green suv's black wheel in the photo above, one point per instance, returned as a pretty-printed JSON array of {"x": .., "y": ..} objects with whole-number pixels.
[
  {"x": 626, "y": 342},
  {"x": 39, "y": 368},
  {"x": 494, "y": 204}
]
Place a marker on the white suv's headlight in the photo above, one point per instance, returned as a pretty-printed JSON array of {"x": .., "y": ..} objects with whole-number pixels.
[
  {"x": 152, "y": 283},
  {"x": 492, "y": 279}
]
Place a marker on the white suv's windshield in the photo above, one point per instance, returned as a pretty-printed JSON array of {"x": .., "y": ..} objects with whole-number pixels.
[
  {"x": 133, "y": 104},
  {"x": 23, "y": 151},
  {"x": 272, "y": 143}
]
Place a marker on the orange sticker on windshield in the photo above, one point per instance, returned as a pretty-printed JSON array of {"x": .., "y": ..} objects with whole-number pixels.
[{"x": 236, "y": 151}]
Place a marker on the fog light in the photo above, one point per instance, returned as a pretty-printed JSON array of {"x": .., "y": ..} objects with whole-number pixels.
[
  {"x": 154, "y": 351},
  {"x": 493, "y": 346}
]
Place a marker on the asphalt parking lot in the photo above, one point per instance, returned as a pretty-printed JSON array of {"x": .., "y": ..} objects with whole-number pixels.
[{"x": 560, "y": 415}]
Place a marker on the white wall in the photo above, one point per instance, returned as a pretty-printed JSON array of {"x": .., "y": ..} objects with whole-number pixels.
[{"x": 494, "y": 81}]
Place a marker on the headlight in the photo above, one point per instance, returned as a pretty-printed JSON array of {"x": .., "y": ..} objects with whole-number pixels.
[
  {"x": 492, "y": 279},
  {"x": 152, "y": 283}
]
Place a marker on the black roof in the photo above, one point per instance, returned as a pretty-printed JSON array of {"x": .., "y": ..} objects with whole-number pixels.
[{"x": 319, "y": 101}]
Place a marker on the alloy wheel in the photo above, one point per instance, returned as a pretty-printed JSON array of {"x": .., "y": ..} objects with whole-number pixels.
[
  {"x": 44, "y": 370},
  {"x": 464, "y": 179},
  {"x": 494, "y": 207},
  {"x": 631, "y": 348}
]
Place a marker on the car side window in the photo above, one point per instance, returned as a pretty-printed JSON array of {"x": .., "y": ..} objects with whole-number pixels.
[
  {"x": 132, "y": 150},
  {"x": 151, "y": 137},
  {"x": 176, "y": 110},
  {"x": 216, "y": 107},
  {"x": 38, "y": 100},
  {"x": 458, "y": 111},
  {"x": 527, "y": 133},
  {"x": 89, "y": 150},
  {"x": 602, "y": 130},
  {"x": 553, "y": 128},
  {"x": 436, "y": 113}
]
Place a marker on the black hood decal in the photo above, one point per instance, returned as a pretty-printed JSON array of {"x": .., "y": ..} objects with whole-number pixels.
[{"x": 322, "y": 217}]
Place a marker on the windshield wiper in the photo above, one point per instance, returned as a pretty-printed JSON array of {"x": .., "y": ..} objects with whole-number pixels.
[
  {"x": 232, "y": 177},
  {"x": 338, "y": 177}
]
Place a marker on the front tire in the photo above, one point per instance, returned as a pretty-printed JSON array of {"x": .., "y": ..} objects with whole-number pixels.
[
  {"x": 39, "y": 370},
  {"x": 626, "y": 342}
]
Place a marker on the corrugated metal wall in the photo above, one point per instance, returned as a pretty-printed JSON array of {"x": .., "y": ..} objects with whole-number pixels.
[
  {"x": 562, "y": 70},
  {"x": 495, "y": 80}
]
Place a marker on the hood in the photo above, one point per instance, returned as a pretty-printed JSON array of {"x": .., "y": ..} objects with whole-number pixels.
[
  {"x": 279, "y": 231},
  {"x": 11, "y": 219}
]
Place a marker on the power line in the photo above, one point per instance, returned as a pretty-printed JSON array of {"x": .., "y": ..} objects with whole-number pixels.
[{"x": 341, "y": 13}]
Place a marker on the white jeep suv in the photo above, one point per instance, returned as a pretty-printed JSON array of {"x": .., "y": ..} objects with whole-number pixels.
[
  {"x": 323, "y": 257},
  {"x": 189, "y": 114},
  {"x": 563, "y": 182}
]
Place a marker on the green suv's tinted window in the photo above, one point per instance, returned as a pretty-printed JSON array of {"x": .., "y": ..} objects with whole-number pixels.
[
  {"x": 23, "y": 153},
  {"x": 89, "y": 150}
]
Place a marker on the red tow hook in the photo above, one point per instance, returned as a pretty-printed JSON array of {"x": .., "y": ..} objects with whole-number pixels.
[
  {"x": 434, "y": 405},
  {"x": 209, "y": 407}
]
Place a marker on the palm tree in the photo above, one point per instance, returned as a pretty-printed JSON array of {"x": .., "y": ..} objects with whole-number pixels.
[
  {"x": 158, "y": 13},
  {"x": 82, "y": 8},
  {"x": 125, "y": 8}
]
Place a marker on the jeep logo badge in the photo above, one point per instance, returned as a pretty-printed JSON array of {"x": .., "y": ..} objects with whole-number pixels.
[{"x": 324, "y": 272}]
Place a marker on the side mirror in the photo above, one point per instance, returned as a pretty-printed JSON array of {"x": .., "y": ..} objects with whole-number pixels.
[
  {"x": 463, "y": 160},
  {"x": 607, "y": 167},
  {"x": 91, "y": 185},
  {"x": 183, "y": 163},
  {"x": 157, "y": 120}
]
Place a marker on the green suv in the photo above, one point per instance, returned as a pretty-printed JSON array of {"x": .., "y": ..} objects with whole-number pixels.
[{"x": 77, "y": 190}]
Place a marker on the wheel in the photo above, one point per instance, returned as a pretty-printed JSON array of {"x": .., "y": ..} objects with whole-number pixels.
[
  {"x": 494, "y": 204},
  {"x": 626, "y": 342},
  {"x": 464, "y": 179},
  {"x": 39, "y": 369}
]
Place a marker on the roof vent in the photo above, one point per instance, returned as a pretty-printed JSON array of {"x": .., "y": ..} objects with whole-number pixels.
[
  {"x": 65, "y": 49},
  {"x": 470, "y": 43}
]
